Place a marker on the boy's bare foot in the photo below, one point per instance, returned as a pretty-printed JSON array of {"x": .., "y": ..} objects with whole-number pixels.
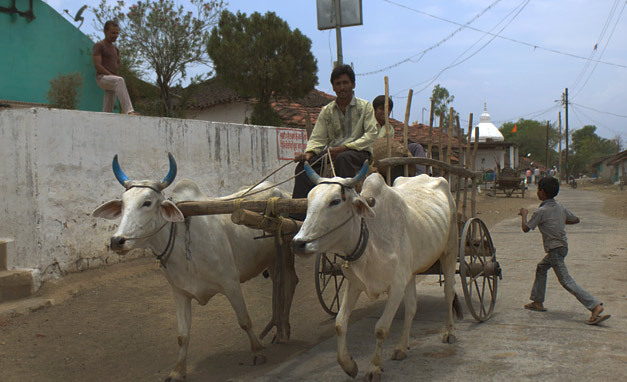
[
  {"x": 133, "y": 113},
  {"x": 537, "y": 306}
]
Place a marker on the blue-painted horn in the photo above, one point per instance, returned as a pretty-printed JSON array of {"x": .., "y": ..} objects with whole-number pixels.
[
  {"x": 171, "y": 174},
  {"x": 311, "y": 174},
  {"x": 119, "y": 174},
  {"x": 357, "y": 178}
]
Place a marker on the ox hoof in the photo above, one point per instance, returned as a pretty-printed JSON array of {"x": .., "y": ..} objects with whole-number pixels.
[
  {"x": 175, "y": 379},
  {"x": 373, "y": 376},
  {"x": 399, "y": 355},
  {"x": 259, "y": 359},
  {"x": 449, "y": 338},
  {"x": 352, "y": 370}
]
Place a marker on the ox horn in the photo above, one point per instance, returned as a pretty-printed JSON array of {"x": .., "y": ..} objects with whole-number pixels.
[
  {"x": 171, "y": 174},
  {"x": 357, "y": 178},
  {"x": 119, "y": 174},
  {"x": 311, "y": 174}
]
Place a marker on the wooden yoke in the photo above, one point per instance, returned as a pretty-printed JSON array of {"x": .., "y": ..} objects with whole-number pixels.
[{"x": 216, "y": 207}]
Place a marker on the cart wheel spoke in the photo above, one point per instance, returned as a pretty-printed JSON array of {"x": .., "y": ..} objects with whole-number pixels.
[
  {"x": 477, "y": 268},
  {"x": 329, "y": 281}
]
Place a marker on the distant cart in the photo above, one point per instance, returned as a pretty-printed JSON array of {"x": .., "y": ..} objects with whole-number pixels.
[{"x": 509, "y": 183}]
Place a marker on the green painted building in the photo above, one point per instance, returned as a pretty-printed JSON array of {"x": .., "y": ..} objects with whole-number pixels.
[{"x": 36, "y": 50}]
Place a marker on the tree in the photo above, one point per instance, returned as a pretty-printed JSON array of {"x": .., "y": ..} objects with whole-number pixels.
[
  {"x": 588, "y": 148},
  {"x": 259, "y": 56},
  {"x": 530, "y": 135},
  {"x": 65, "y": 91},
  {"x": 155, "y": 35},
  {"x": 442, "y": 99}
]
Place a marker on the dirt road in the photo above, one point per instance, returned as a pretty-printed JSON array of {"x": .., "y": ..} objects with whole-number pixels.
[{"x": 117, "y": 323}]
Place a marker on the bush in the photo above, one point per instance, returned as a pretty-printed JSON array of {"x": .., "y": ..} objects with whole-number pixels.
[{"x": 65, "y": 91}]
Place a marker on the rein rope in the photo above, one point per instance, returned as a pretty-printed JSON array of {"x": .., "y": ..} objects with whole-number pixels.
[{"x": 248, "y": 193}]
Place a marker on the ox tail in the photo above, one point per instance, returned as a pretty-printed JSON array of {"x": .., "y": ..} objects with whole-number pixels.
[{"x": 457, "y": 307}]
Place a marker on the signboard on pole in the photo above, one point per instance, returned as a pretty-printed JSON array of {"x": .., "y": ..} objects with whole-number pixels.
[
  {"x": 289, "y": 142},
  {"x": 350, "y": 13}
]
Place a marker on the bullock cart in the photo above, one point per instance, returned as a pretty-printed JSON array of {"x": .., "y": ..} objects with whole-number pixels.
[
  {"x": 507, "y": 182},
  {"x": 477, "y": 265}
]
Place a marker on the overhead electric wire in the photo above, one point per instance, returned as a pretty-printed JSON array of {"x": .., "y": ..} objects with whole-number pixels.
[
  {"x": 534, "y": 46},
  {"x": 595, "y": 48},
  {"x": 596, "y": 123},
  {"x": 423, "y": 52},
  {"x": 457, "y": 61},
  {"x": 598, "y": 111},
  {"x": 603, "y": 52}
]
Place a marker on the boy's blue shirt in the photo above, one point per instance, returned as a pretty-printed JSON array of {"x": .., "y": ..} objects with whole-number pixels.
[{"x": 551, "y": 218}]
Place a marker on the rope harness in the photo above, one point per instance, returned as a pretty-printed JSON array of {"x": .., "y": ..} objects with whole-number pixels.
[
  {"x": 163, "y": 257},
  {"x": 364, "y": 233}
]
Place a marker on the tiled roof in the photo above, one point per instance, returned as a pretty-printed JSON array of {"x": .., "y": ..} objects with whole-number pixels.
[
  {"x": 419, "y": 133},
  {"x": 294, "y": 113},
  {"x": 211, "y": 93},
  {"x": 621, "y": 156}
]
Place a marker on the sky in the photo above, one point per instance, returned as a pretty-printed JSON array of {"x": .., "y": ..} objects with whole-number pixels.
[{"x": 516, "y": 56}]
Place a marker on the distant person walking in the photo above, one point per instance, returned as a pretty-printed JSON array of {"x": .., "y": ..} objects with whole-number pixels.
[
  {"x": 107, "y": 61},
  {"x": 536, "y": 175},
  {"x": 551, "y": 218}
]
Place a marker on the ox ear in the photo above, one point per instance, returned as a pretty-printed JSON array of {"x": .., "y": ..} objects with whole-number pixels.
[
  {"x": 109, "y": 210},
  {"x": 170, "y": 212},
  {"x": 362, "y": 208}
]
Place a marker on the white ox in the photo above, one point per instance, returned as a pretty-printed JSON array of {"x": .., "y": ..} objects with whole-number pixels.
[
  {"x": 412, "y": 225},
  {"x": 202, "y": 255}
]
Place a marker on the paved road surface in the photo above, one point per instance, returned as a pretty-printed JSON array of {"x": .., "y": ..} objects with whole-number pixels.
[{"x": 515, "y": 344}]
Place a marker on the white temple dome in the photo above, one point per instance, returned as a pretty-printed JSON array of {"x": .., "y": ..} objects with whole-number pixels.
[{"x": 487, "y": 131}]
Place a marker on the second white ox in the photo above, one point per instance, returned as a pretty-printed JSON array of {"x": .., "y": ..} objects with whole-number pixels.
[
  {"x": 412, "y": 225},
  {"x": 201, "y": 255}
]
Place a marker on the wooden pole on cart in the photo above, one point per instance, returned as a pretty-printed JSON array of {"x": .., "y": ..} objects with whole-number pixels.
[
  {"x": 440, "y": 148},
  {"x": 460, "y": 157},
  {"x": 405, "y": 127},
  {"x": 467, "y": 165},
  {"x": 388, "y": 129},
  {"x": 449, "y": 141},
  {"x": 430, "y": 144},
  {"x": 473, "y": 203}
]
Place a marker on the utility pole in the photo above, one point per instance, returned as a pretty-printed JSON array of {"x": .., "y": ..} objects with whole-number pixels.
[
  {"x": 566, "y": 132},
  {"x": 338, "y": 32},
  {"x": 547, "y": 146},
  {"x": 559, "y": 166}
]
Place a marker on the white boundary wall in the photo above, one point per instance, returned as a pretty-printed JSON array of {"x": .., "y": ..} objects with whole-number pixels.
[{"x": 55, "y": 169}]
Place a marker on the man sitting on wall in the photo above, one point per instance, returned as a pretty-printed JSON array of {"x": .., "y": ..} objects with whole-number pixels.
[{"x": 107, "y": 60}]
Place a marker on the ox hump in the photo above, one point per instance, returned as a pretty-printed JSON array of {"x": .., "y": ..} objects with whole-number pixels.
[{"x": 187, "y": 190}]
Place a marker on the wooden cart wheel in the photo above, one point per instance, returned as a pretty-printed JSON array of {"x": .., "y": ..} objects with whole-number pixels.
[
  {"x": 329, "y": 281},
  {"x": 478, "y": 269}
]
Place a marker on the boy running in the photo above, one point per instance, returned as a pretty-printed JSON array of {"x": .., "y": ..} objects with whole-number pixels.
[{"x": 551, "y": 218}]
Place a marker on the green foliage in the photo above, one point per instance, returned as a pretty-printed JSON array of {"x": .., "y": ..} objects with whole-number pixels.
[
  {"x": 65, "y": 91},
  {"x": 259, "y": 56},
  {"x": 158, "y": 36},
  {"x": 442, "y": 99},
  {"x": 588, "y": 147},
  {"x": 530, "y": 136}
]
